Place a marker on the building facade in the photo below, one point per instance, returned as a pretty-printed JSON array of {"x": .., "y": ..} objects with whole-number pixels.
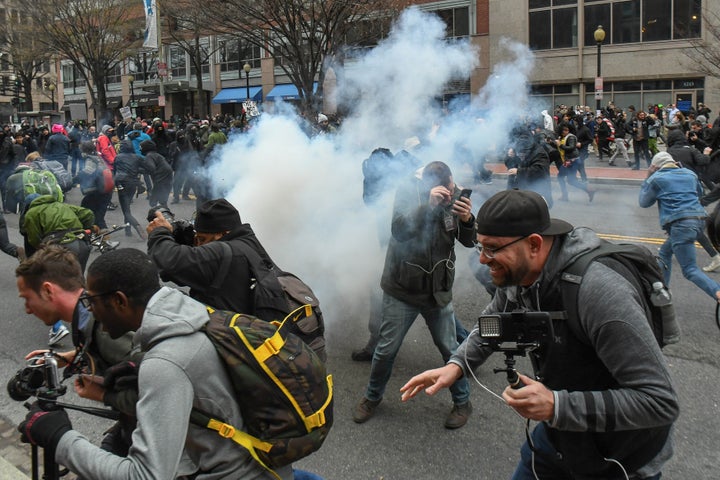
[{"x": 642, "y": 55}]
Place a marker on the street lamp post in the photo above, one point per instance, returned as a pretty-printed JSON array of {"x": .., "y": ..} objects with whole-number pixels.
[
  {"x": 599, "y": 38},
  {"x": 16, "y": 98},
  {"x": 133, "y": 105},
  {"x": 51, "y": 87},
  {"x": 247, "y": 69}
]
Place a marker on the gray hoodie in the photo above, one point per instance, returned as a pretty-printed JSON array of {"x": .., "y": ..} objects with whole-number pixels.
[
  {"x": 613, "y": 321},
  {"x": 180, "y": 370}
]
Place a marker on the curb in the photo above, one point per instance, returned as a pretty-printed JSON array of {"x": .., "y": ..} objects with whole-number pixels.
[
  {"x": 15, "y": 457},
  {"x": 8, "y": 470}
]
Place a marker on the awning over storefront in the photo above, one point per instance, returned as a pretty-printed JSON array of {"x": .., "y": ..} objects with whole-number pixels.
[
  {"x": 237, "y": 95},
  {"x": 286, "y": 91}
]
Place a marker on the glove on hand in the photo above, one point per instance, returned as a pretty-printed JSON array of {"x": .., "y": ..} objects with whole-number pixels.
[
  {"x": 43, "y": 428},
  {"x": 121, "y": 376}
]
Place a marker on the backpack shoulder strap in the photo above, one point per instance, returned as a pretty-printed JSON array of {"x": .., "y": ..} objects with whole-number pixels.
[
  {"x": 258, "y": 265},
  {"x": 573, "y": 274},
  {"x": 571, "y": 279}
]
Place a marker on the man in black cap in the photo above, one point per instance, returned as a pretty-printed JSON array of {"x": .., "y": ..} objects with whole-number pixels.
[
  {"x": 601, "y": 392},
  {"x": 200, "y": 266}
]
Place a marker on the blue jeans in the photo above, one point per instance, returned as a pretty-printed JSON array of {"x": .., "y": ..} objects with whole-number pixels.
[
  {"x": 681, "y": 242},
  {"x": 544, "y": 467},
  {"x": 397, "y": 319}
]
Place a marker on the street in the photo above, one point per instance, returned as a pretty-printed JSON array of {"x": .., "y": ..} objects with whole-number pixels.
[{"x": 407, "y": 440}]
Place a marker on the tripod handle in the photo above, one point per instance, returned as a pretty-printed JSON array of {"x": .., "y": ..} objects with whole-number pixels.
[{"x": 514, "y": 379}]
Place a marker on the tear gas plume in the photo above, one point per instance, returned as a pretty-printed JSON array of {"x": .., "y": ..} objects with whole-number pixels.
[{"x": 303, "y": 196}]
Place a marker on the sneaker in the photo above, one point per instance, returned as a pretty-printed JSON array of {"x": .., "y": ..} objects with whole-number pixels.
[
  {"x": 55, "y": 337},
  {"x": 112, "y": 206},
  {"x": 459, "y": 415},
  {"x": 362, "y": 355},
  {"x": 713, "y": 265},
  {"x": 365, "y": 409}
]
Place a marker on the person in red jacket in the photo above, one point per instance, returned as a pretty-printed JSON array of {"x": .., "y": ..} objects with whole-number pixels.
[{"x": 105, "y": 146}]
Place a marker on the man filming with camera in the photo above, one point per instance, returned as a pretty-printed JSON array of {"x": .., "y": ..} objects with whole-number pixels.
[
  {"x": 51, "y": 284},
  {"x": 197, "y": 266},
  {"x": 601, "y": 391}
]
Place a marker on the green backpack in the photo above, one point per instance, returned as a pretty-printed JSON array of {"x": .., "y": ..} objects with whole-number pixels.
[
  {"x": 281, "y": 385},
  {"x": 42, "y": 182}
]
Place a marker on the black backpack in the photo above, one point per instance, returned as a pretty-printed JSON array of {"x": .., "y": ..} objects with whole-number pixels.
[
  {"x": 647, "y": 278},
  {"x": 276, "y": 293}
]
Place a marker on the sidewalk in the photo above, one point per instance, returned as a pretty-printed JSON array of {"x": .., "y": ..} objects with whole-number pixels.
[
  {"x": 15, "y": 458},
  {"x": 597, "y": 172}
]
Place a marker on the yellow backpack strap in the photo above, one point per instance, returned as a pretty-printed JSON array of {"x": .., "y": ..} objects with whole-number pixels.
[
  {"x": 272, "y": 345},
  {"x": 247, "y": 441}
]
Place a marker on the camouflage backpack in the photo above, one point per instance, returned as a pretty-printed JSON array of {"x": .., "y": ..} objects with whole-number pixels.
[{"x": 282, "y": 388}]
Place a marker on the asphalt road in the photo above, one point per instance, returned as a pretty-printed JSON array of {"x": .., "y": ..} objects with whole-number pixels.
[{"x": 407, "y": 440}]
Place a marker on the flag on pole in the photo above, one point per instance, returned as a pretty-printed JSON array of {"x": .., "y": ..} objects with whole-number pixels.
[{"x": 151, "y": 37}]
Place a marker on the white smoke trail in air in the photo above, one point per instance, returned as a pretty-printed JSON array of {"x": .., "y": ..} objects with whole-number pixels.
[{"x": 303, "y": 196}]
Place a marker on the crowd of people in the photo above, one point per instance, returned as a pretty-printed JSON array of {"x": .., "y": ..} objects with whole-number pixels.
[{"x": 603, "y": 384}]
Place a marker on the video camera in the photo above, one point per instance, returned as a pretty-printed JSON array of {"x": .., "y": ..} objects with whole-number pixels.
[
  {"x": 515, "y": 333},
  {"x": 39, "y": 378},
  {"x": 183, "y": 230}
]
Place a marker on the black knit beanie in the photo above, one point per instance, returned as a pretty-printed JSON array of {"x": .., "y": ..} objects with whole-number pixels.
[{"x": 216, "y": 216}]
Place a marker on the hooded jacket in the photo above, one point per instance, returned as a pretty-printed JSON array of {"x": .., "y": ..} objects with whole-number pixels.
[
  {"x": 45, "y": 215},
  {"x": 677, "y": 192},
  {"x": 180, "y": 370},
  {"x": 155, "y": 164},
  {"x": 128, "y": 166},
  {"x": 197, "y": 267},
  {"x": 613, "y": 393},
  {"x": 683, "y": 153}
]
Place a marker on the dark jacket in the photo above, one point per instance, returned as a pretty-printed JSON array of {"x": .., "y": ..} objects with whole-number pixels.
[
  {"x": 155, "y": 164},
  {"x": 419, "y": 265},
  {"x": 534, "y": 170},
  {"x": 686, "y": 155},
  {"x": 57, "y": 148},
  {"x": 128, "y": 166},
  {"x": 196, "y": 267}
]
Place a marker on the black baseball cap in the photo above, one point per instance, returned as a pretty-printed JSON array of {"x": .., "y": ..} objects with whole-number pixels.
[{"x": 513, "y": 213}]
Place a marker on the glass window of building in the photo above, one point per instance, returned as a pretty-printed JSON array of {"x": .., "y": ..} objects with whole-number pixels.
[
  {"x": 114, "y": 75},
  {"x": 687, "y": 19},
  {"x": 203, "y": 55},
  {"x": 178, "y": 62},
  {"x": 630, "y": 21},
  {"x": 553, "y": 24},
  {"x": 457, "y": 21}
]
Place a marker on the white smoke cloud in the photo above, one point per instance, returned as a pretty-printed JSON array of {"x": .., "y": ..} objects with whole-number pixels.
[{"x": 303, "y": 196}]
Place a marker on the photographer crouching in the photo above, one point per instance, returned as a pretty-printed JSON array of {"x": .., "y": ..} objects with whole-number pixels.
[{"x": 602, "y": 394}]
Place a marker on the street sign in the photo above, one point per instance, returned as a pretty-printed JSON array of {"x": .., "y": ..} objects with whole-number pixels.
[
  {"x": 162, "y": 69},
  {"x": 161, "y": 100},
  {"x": 598, "y": 94}
]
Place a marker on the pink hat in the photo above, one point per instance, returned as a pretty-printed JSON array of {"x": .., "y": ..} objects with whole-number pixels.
[{"x": 57, "y": 128}]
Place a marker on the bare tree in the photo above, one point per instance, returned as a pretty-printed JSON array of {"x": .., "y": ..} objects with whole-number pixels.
[
  {"x": 301, "y": 35},
  {"x": 704, "y": 54},
  {"x": 27, "y": 57},
  {"x": 94, "y": 36},
  {"x": 185, "y": 29}
]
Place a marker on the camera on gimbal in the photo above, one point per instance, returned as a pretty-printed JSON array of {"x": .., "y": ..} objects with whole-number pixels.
[
  {"x": 183, "y": 230},
  {"x": 515, "y": 334},
  {"x": 39, "y": 378}
]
